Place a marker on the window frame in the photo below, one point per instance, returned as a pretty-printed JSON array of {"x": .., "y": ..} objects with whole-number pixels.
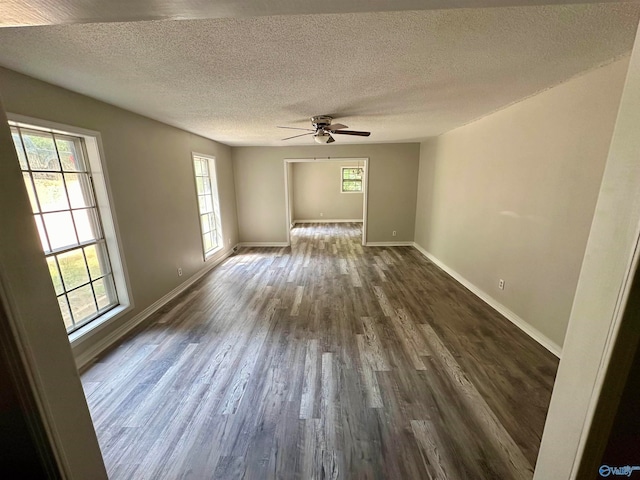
[
  {"x": 97, "y": 171},
  {"x": 212, "y": 170},
  {"x": 342, "y": 179}
]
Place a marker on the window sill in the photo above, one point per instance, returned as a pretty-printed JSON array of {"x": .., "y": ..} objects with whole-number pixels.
[
  {"x": 209, "y": 255},
  {"x": 87, "y": 331}
]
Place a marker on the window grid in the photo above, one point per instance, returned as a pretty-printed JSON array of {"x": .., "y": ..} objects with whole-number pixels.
[
  {"x": 85, "y": 289},
  {"x": 351, "y": 179},
  {"x": 206, "y": 204}
]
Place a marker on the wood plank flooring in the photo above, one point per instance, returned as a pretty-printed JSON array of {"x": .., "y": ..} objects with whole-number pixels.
[{"x": 326, "y": 360}]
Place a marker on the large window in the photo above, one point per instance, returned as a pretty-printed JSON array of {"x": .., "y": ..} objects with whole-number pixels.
[
  {"x": 208, "y": 203},
  {"x": 58, "y": 179},
  {"x": 351, "y": 179}
]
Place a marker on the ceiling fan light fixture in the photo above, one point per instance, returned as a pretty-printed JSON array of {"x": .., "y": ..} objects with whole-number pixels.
[{"x": 322, "y": 137}]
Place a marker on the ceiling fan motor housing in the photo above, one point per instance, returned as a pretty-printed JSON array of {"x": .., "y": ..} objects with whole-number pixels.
[{"x": 321, "y": 121}]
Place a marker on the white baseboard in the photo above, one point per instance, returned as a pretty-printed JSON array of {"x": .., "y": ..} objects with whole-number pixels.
[
  {"x": 263, "y": 244},
  {"x": 493, "y": 303},
  {"x": 389, "y": 244},
  {"x": 101, "y": 345},
  {"x": 330, "y": 220}
]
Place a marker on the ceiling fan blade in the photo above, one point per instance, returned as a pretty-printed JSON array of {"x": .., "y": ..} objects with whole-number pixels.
[
  {"x": 336, "y": 126},
  {"x": 352, "y": 132},
  {"x": 331, "y": 139},
  {"x": 296, "y": 128},
  {"x": 301, "y": 135}
]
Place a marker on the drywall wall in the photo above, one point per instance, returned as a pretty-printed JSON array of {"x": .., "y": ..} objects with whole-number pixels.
[
  {"x": 512, "y": 196},
  {"x": 290, "y": 194},
  {"x": 261, "y": 200},
  {"x": 149, "y": 169},
  {"x": 32, "y": 321},
  {"x": 610, "y": 261},
  {"x": 317, "y": 190}
]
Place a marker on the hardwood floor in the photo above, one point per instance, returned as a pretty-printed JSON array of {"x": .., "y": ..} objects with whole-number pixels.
[{"x": 326, "y": 360}]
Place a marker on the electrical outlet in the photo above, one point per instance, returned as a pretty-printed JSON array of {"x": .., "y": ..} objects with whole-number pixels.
[
  {"x": 179, "y": 271},
  {"x": 321, "y": 214},
  {"x": 229, "y": 241},
  {"x": 501, "y": 284},
  {"x": 393, "y": 233}
]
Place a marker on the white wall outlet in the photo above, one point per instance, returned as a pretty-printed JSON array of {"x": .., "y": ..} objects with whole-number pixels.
[
  {"x": 501, "y": 284},
  {"x": 179, "y": 271},
  {"x": 321, "y": 214},
  {"x": 394, "y": 233},
  {"x": 229, "y": 241}
]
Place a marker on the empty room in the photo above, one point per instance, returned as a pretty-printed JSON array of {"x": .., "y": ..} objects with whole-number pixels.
[{"x": 319, "y": 240}]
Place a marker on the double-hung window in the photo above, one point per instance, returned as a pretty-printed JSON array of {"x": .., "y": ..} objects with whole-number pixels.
[
  {"x": 208, "y": 203},
  {"x": 351, "y": 179},
  {"x": 58, "y": 178}
]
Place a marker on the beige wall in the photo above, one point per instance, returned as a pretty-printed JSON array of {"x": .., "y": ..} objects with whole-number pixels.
[
  {"x": 611, "y": 260},
  {"x": 512, "y": 196},
  {"x": 151, "y": 177},
  {"x": 316, "y": 191},
  {"x": 290, "y": 195},
  {"x": 261, "y": 201}
]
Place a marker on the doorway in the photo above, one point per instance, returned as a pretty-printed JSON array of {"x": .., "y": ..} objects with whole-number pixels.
[{"x": 329, "y": 192}]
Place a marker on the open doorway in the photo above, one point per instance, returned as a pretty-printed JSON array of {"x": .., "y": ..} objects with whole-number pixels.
[{"x": 326, "y": 190}]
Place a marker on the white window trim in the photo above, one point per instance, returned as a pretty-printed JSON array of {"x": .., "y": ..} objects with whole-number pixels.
[
  {"x": 216, "y": 204},
  {"x": 342, "y": 168},
  {"x": 104, "y": 203}
]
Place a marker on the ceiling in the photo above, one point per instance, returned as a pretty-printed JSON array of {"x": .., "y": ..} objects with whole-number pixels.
[{"x": 404, "y": 75}]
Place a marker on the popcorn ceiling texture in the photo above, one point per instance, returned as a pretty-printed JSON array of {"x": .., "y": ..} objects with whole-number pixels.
[{"x": 404, "y": 76}]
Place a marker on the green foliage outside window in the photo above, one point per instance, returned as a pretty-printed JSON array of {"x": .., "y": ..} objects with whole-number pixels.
[{"x": 351, "y": 179}]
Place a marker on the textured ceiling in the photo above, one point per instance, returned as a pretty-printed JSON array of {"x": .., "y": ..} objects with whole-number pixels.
[
  {"x": 57, "y": 12},
  {"x": 402, "y": 75}
]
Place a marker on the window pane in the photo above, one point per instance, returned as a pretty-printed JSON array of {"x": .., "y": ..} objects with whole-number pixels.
[
  {"x": 64, "y": 309},
  {"x": 79, "y": 190},
  {"x": 43, "y": 236},
  {"x": 103, "y": 289},
  {"x": 68, "y": 149},
  {"x": 205, "y": 203},
  {"x": 51, "y": 191},
  {"x": 351, "y": 185},
  {"x": 73, "y": 268},
  {"x": 30, "y": 191},
  {"x": 55, "y": 275},
  {"x": 60, "y": 229},
  {"x": 205, "y": 167},
  {"x": 208, "y": 241},
  {"x": 86, "y": 224},
  {"x": 19, "y": 149},
  {"x": 82, "y": 303},
  {"x": 200, "y": 185},
  {"x": 206, "y": 221},
  {"x": 207, "y": 185},
  {"x": 41, "y": 151},
  {"x": 97, "y": 260},
  {"x": 197, "y": 165}
]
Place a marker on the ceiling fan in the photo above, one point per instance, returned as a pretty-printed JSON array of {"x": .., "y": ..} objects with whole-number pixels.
[{"x": 323, "y": 128}]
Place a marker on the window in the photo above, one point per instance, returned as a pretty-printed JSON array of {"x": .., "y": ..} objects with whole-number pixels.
[
  {"x": 58, "y": 178},
  {"x": 351, "y": 179},
  {"x": 208, "y": 203}
]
